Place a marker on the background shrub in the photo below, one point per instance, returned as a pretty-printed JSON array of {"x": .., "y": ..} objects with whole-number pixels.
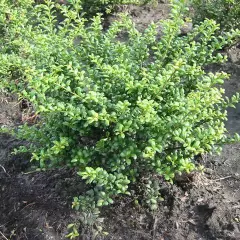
[
  {"x": 93, "y": 6},
  {"x": 224, "y": 12},
  {"x": 114, "y": 109}
]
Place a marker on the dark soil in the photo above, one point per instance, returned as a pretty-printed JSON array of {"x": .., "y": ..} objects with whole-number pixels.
[{"x": 37, "y": 205}]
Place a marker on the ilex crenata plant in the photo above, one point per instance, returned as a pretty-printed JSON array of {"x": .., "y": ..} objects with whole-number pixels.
[
  {"x": 224, "y": 12},
  {"x": 94, "y": 6},
  {"x": 114, "y": 108}
]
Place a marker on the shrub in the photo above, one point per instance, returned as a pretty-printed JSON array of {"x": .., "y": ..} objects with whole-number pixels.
[
  {"x": 224, "y": 12},
  {"x": 93, "y": 6},
  {"x": 115, "y": 109}
]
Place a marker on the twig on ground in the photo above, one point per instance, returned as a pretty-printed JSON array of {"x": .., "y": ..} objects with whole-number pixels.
[
  {"x": 223, "y": 178},
  {"x": 3, "y": 236},
  {"x": 30, "y": 204},
  {"x": 31, "y": 172},
  {"x": 4, "y": 169}
]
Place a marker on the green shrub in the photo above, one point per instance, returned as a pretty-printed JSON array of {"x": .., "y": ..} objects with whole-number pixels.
[
  {"x": 94, "y": 6},
  {"x": 114, "y": 109},
  {"x": 224, "y": 12}
]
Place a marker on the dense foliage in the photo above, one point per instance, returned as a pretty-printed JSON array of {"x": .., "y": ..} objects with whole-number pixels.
[
  {"x": 224, "y": 12},
  {"x": 94, "y": 6},
  {"x": 115, "y": 109}
]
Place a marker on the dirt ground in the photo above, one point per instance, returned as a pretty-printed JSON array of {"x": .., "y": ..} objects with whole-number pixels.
[{"x": 37, "y": 205}]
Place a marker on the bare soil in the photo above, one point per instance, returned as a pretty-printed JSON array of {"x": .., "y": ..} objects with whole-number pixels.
[{"x": 37, "y": 205}]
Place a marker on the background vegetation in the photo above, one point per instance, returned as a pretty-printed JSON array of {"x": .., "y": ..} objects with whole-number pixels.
[{"x": 224, "y": 12}]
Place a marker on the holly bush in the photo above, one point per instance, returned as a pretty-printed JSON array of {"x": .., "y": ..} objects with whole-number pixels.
[
  {"x": 114, "y": 108},
  {"x": 224, "y": 12}
]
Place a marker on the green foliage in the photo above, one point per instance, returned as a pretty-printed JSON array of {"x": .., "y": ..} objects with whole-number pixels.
[
  {"x": 94, "y": 6},
  {"x": 114, "y": 109},
  {"x": 151, "y": 193},
  {"x": 73, "y": 231},
  {"x": 224, "y": 12}
]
